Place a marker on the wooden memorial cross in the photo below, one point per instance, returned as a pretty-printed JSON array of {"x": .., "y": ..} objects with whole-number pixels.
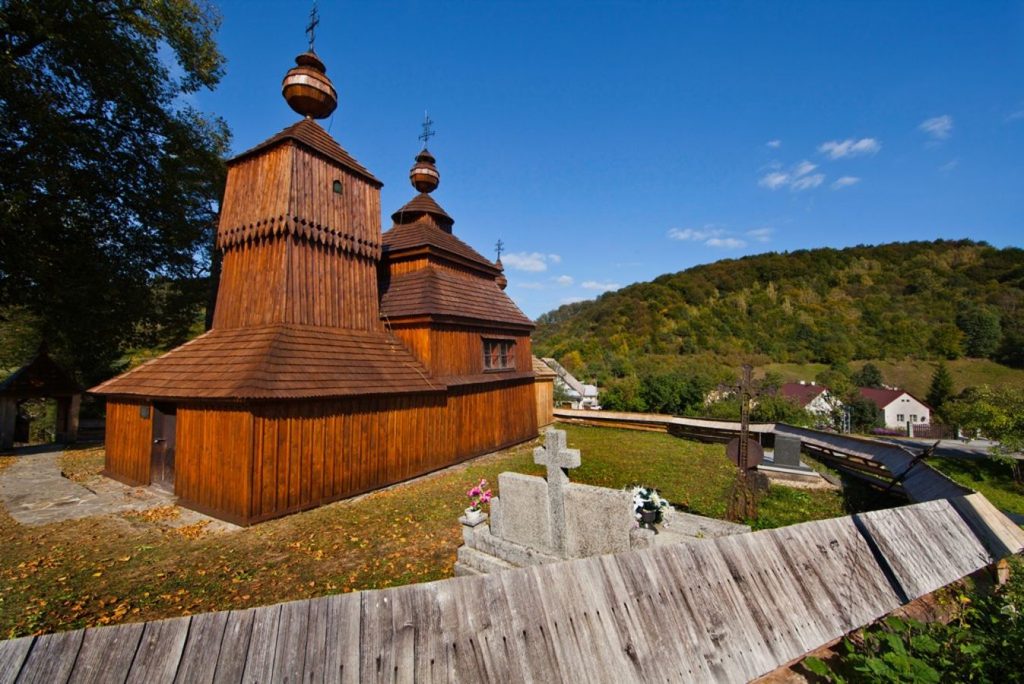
[{"x": 558, "y": 460}]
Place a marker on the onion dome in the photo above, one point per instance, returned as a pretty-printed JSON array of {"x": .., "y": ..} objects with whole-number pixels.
[
  {"x": 501, "y": 280},
  {"x": 423, "y": 174},
  {"x": 307, "y": 89}
]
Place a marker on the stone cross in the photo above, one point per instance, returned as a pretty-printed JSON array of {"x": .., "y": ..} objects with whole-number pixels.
[{"x": 558, "y": 460}]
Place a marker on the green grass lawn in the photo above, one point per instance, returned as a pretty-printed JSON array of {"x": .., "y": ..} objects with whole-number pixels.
[
  {"x": 991, "y": 478},
  {"x": 126, "y": 568}
]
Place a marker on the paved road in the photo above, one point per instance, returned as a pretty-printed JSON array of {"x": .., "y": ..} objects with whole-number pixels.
[{"x": 949, "y": 448}]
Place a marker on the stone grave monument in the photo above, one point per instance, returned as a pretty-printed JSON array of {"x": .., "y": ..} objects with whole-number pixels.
[
  {"x": 783, "y": 464},
  {"x": 539, "y": 520}
]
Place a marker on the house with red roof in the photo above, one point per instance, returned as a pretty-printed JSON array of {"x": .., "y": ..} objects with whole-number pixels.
[
  {"x": 810, "y": 396},
  {"x": 898, "y": 406}
]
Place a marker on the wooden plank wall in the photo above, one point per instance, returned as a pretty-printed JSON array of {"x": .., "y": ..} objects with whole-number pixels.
[
  {"x": 212, "y": 461},
  {"x": 727, "y": 609},
  {"x": 292, "y": 280},
  {"x": 309, "y": 453},
  {"x": 129, "y": 439},
  {"x": 544, "y": 389},
  {"x": 409, "y": 265},
  {"x": 355, "y": 211},
  {"x": 448, "y": 350},
  {"x": 257, "y": 189}
]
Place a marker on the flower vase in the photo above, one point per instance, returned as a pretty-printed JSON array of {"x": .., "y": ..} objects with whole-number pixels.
[{"x": 474, "y": 515}]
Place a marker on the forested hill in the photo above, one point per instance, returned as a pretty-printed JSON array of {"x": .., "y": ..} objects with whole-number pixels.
[{"x": 940, "y": 299}]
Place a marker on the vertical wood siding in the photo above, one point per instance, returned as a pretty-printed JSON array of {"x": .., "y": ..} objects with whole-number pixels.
[
  {"x": 129, "y": 439},
  {"x": 309, "y": 453},
  {"x": 545, "y": 392},
  {"x": 291, "y": 280},
  {"x": 212, "y": 461}
]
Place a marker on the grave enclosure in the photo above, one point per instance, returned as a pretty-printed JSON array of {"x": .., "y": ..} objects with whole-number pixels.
[{"x": 538, "y": 520}]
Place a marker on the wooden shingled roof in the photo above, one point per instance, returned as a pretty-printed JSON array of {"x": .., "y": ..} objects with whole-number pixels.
[
  {"x": 425, "y": 233},
  {"x": 436, "y": 292},
  {"x": 310, "y": 134},
  {"x": 40, "y": 377},
  {"x": 422, "y": 204},
  {"x": 277, "y": 362}
]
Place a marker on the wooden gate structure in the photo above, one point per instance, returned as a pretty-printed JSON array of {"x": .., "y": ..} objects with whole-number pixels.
[{"x": 40, "y": 378}]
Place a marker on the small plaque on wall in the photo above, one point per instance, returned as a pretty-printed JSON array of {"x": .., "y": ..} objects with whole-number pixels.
[{"x": 144, "y": 412}]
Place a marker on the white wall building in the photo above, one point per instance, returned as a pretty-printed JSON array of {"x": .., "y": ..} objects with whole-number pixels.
[
  {"x": 899, "y": 407},
  {"x": 581, "y": 396}
]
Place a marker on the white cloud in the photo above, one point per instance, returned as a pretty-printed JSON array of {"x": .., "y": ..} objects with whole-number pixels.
[
  {"x": 600, "y": 287},
  {"x": 774, "y": 180},
  {"x": 695, "y": 234},
  {"x": 845, "y": 182},
  {"x": 774, "y": 144},
  {"x": 949, "y": 166},
  {"x": 564, "y": 280},
  {"x": 803, "y": 168},
  {"x": 837, "y": 149},
  {"x": 938, "y": 127},
  {"x": 1014, "y": 116},
  {"x": 532, "y": 262},
  {"x": 726, "y": 243},
  {"x": 807, "y": 182},
  {"x": 760, "y": 234},
  {"x": 572, "y": 300}
]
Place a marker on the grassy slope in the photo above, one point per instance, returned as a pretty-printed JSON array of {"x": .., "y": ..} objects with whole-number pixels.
[
  {"x": 111, "y": 569},
  {"x": 916, "y": 376}
]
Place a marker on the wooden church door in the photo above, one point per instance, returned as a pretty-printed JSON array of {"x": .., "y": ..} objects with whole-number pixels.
[{"x": 162, "y": 464}]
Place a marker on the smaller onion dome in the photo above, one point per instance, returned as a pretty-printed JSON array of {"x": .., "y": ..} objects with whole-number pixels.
[
  {"x": 307, "y": 89},
  {"x": 423, "y": 174}
]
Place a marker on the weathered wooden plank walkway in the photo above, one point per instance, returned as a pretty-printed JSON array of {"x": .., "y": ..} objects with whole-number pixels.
[
  {"x": 720, "y": 610},
  {"x": 923, "y": 483}
]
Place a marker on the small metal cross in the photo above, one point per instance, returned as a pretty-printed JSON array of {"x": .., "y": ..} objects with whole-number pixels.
[
  {"x": 499, "y": 247},
  {"x": 314, "y": 21},
  {"x": 428, "y": 131}
]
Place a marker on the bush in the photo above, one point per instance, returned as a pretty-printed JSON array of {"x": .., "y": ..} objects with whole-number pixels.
[{"x": 982, "y": 642}]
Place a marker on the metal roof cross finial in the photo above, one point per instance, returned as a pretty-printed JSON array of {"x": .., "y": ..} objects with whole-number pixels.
[
  {"x": 428, "y": 131},
  {"x": 499, "y": 247},
  {"x": 314, "y": 21}
]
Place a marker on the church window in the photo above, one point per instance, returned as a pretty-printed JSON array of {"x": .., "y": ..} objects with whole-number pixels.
[
  {"x": 337, "y": 186},
  {"x": 498, "y": 355}
]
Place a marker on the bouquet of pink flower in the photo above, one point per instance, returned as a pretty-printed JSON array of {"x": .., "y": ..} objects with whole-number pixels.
[{"x": 478, "y": 495}]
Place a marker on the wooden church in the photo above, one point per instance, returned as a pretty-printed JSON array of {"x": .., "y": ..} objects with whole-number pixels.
[{"x": 340, "y": 360}]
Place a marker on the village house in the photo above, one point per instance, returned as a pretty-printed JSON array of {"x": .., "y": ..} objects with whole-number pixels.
[
  {"x": 814, "y": 398},
  {"x": 340, "y": 359},
  {"x": 898, "y": 407},
  {"x": 581, "y": 396}
]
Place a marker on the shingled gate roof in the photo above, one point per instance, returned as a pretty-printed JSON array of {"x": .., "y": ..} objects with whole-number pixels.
[
  {"x": 433, "y": 291},
  {"x": 277, "y": 362},
  {"x": 426, "y": 233},
  {"x": 40, "y": 377},
  {"x": 310, "y": 134}
]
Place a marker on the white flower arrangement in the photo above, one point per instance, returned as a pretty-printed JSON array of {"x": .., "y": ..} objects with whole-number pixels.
[{"x": 648, "y": 499}]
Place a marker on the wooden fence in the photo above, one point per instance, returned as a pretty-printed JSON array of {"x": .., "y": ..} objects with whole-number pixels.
[{"x": 727, "y": 609}]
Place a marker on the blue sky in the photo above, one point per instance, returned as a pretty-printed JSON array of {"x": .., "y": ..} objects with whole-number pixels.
[{"x": 608, "y": 143}]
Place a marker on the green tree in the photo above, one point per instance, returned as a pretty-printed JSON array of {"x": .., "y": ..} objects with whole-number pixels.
[
  {"x": 864, "y": 415},
  {"x": 868, "y": 376},
  {"x": 981, "y": 328},
  {"x": 941, "y": 389},
  {"x": 108, "y": 178},
  {"x": 997, "y": 414},
  {"x": 947, "y": 341}
]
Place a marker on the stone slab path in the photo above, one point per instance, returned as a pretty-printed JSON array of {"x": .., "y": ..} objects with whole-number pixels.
[{"x": 36, "y": 493}]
